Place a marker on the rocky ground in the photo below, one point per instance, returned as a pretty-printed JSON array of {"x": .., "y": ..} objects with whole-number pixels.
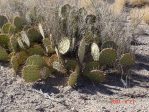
[{"x": 16, "y": 96}]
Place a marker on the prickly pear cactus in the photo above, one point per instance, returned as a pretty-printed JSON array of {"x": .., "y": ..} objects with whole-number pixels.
[
  {"x": 25, "y": 38},
  {"x": 35, "y": 50},
  {"x": 64, "y": 45},
  {"x": 19, "y": 23},
  {"x": 91, "y": 66},
  {"x": 89, "y": 37},
  {"x": 34, "y": 35},
  {"x": 18, "y": 59},
  {"x": 31, "y": 73},
  {"x": 72, "y": 81},
  {"x": 3, "y": 54},
  {"x": 95, "y": 51},
  {"x": 41, "y": 30},
  {"x": 109, "y": 44},
  {"x": 35, "y": 60},
  {"x": 96, "y": 76},
  {"x": 48, "y": 45},
  {"x": 81, "y": 50},
  {"x": 45, "y": 72},
  {"x": 13, "y": 44},
  {"x": 70, "y": 64},
  {"x": 3, "y": 20},
  {"x": 4, "y": 40},
  {"x": 58, "y": 65},
  {"x": 14, "y": 63},
  {"x": 8, "y": 28},
  {"x": 107, "y": 57},
  {"x": 127, "y": 60},
  {"x": 65, "y": 10}
]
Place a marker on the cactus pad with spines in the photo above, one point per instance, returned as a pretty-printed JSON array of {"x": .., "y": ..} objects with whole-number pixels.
[
  {"x": 127, "y": 60},
  {"x": 70, "y": 64},
  {"x": 81, "y": 50},
  {"x": 95, "y": 51},
  {"x": 48, "y": 45},
  {"x": 45, "y": 72},
  {"x": 31, "y": 73},
  {"x": 4, "y": 40},
  {"x": 35, "y": 50},
  {"x": 91, "y": 66},
  {"x": 35, "y": 60},
  {"x": 34, "y": 35},
  {"x": 72, "y": 81},
  {"x": 109, "y": 44},
  {"x": 18, "y": 59},
  {"x": 107, "y": 57},
  {"x": 65, "y": 10},
  {"x": 19, "y": 23},
  {"x": 64, "y": 45},
  {"x": 13, "y": 44},
  {"x": 96, "y": 76},
  {"x": 8, "y": 28},
  {"x": 3, "y": 54},
  {"x": 3, "y": 20}
]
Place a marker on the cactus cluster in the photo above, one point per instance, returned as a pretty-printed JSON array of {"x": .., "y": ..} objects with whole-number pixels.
[{"x": 79, "y": 52}]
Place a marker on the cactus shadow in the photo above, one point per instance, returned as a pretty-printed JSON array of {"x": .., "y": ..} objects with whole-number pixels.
[{"x": 45, "y": 88}]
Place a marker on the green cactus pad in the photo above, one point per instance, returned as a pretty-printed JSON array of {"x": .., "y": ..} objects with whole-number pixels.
[
  {"x": 71, "y": 64},
  {"x": 58, "y": 66},
  {"x": 18, "y": 59},
  {"x": 35, "y": 50},
  {"x": 107, "y": 57},
  {"x": 3, "y": 20},
  {"x": 8, "y": 28},
  {"x": 81, "y": 50},
  {"x": 35, "y": 60},
  {"x": 72, "y": 81},
  {"x": 14, "y": 63},
  {"x": 64, "y": 45},
  {"x": 45, "y": 72},
  {"x": 96, "y": 76},
  {"x": 48, "y": 45},
  {"x": 19, "y": 23},
  {"x": 89, "y": 37},
  {"x": 65, "y": 10},
  {"x": 91, "y": 65},
  {"x": 3, "y": 54},
  {"x": 109, "y": 44},
  {"x": 4, "y": 40},
  {"x": 13, "y": 44},
  {"x": 127, "y": 59},
  {"x": 34, "y": 35},
  {"x": 95, "y": 51},
  {"x": 31, "y": 73}
]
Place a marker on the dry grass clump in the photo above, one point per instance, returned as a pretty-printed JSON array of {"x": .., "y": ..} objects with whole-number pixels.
[
  {"x": 118, "y": 6},
  {"x": 140, "y": 14},
  {"x": 137, "y": 2}
]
